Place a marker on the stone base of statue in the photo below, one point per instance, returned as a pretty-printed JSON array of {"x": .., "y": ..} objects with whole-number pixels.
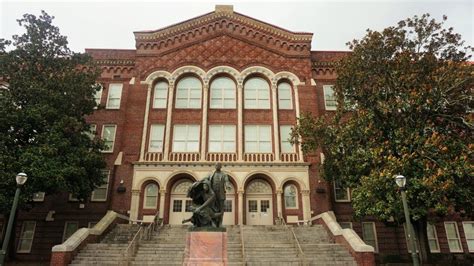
[{"x": 205, "y": 248}]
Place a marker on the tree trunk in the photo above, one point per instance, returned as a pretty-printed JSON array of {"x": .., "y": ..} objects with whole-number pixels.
[{"x": 422, "y": 237}]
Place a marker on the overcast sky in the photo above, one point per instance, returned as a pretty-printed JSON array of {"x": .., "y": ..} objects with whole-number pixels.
[{"x": 108, "y": 24}]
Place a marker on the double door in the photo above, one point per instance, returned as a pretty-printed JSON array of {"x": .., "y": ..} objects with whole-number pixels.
[{"x": 259, "y": 211}]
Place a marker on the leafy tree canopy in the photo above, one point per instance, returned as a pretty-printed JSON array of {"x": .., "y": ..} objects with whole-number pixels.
[
  {"x": 404, "y": 99},
  {"x": 48, "y": 90}
]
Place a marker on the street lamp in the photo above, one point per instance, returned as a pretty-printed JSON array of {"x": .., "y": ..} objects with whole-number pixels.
[
  {"x": 20, "y": 180},
  {"x": 401, "y": 182}
]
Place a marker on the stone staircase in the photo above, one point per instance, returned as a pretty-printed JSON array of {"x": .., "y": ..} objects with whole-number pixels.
[
  {"x": 166, "y": 247},
  {"x": 234, "y": 246},
  {"x": 109, "y": 250},
  {"x": 319, "y": 249}
]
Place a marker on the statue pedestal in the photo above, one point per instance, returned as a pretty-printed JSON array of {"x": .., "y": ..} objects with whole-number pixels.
[{"x": 205, "y": 248}]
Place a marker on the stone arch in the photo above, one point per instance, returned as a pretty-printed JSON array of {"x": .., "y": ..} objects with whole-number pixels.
[
  {"x": 258, "y": 199},
  {"x": 142, "y": 211},
  {"x": 259, "y": 70},
  {"x": 157, "y": 75},
  {"x": 301, "y": 185},
  {"x": 139, "y": 185},
  {"x": 282, "y": 75},
  {"x": 254, "y": 174},
  {"x": 173, "y": 180},
  {"x": 232, "y": 72},
  {"x": 173, "y": 177},
  {"x": 292, "y": 213},
  {"x": 179, "y": 72}
]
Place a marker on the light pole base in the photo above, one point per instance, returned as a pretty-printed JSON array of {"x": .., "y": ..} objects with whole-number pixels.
[{"x": 2, "y": 257}]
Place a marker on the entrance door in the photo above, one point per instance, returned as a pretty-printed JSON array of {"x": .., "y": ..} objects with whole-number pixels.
[
  {"x": 179, "y": 204},
  {"x": 259, "y": 203},
  {"x": 229, "y": 207},
  {"x": 259, "y": 211}
]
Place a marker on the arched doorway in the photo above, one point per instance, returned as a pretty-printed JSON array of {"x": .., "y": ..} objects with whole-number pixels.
[
  {"x": 229, "y": 207},
  {"x": 259, "y": 203},
  {"x": 179, "y": 203}
]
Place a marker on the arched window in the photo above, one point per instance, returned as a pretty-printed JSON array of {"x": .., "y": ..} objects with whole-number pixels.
[
  {"x": 160, "y": 95},
  {"x": 284, "y": 96},
  {"x": 256, "y": 94},
  {"x": 291, "y": 197},
  {"x": 151, "y": 196},
  {"x": 188, "y": 93},
  {"x": 222, "y": 93}
]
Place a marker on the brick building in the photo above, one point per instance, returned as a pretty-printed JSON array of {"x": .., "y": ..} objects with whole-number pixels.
[{"x": 221, "y": 87}]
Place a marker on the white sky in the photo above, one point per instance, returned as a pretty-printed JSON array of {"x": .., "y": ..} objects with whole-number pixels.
[{"x": 108, "y": 24}]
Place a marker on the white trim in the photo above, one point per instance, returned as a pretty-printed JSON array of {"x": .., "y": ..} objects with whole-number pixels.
[
  {"x": 145, "y": 195},
  {"x": 470, "y": 237},
  {"x": 38, "y": 196},
  {"x": 188, "y": 91},
  {"x": 296, "y": 207},
  {"x": 104, "y": 186},
  {"x": 22, "y": 237},
  {"x": 115, "y": 86},
  {"x": 328, "y": 91},
  {"x": 458, "y": 238},
  {"x": 261, "y": 102},
  {"x": 65, "y": 227},
  {"x": 348, "y": 194},
  {"x": 187, "y": 139},
  {"x": 428, "y": 225},
  {"x": 222, "y": 96},
  {"x": 376, "y": 248},
  {"x": 111, "y": 150}
]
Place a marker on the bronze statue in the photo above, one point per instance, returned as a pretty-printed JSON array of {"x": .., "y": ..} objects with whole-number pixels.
[{"x": 208, "y": 197}]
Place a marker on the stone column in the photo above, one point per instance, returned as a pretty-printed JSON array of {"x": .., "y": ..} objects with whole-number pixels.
[
  {"x": 297, "y": 110},
  {"x": 241, "y": 206},
  {"x": 145, "y": 123},
  {"x": 135, "y": 204},
  {"x": 278, "y": 194},
  {"x": 204, "y": 120},
  {"x": 162, "y": 203},
  {"x": 276, "y": 129},
  {"x": 167, "y": 140},
  {"x": 240, "y": 146},
  {"x": 306, "y": 204}
]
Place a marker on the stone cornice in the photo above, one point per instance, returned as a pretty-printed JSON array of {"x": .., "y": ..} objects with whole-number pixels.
[{"x": 115, "y": 62}]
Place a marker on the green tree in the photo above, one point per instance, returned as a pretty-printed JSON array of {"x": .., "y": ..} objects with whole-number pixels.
[
  {"x": 404, "y": 96},
  {"x": 48, "y": 90}
]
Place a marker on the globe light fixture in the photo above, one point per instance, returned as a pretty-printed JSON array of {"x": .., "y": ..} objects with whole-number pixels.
[
  {"x": 21, "y": 179},
  {"x": 400, "y": 180}
]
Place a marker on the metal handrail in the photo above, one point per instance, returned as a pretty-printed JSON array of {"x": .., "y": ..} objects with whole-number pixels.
[
  {"x": 152, "y": 227},
  {"x": 295, "y": 239},
  {"x": 244, "y": 257},
  {"x": 132, "y": 247}
]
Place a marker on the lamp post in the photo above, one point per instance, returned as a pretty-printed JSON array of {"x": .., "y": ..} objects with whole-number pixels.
[
  {"x": 401, "y": 182},
  {"x": 20, "y": 180}
]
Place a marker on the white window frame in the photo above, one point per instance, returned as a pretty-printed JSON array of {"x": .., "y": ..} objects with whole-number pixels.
[
  {"x": 224, "y": 138},
  {"x": 111, "y": 149},
  {"x": 104, "y": 186},
  {"x": 22, "y": 237},
  {"x": 284, "y": 140},
  {"x": 458, "y": 237},
  {"x": 468, "y": 237},
  {"x": 296, "y": 198},
  {"x": 156, "y": 130},
  {"x": 347, "y": 223},
  {"x": 188, "y": 95},
  {"x": 98, "y": 96},
  {"x": 348, "y": 193},
  {"x": 281, "y": 100},
  {"x": 433, "y": 227},
  {"x": 186, "y": 127},
  {"x": 71, "y": 197},
  {"x": 328, "y": 91},
  {"x": 376, "y": 248},
  {"x": 222, "y": 97},
  {"x": 38, "y": 196},
  {"x": 261, "y": 103},
  {"x": 258, "y": 140},
  {"x": 160, "y": 102},
  {"x": 145, "y": 195},
  {"x": 119, "y": 88},
  {"x": 65, "y": 229}
]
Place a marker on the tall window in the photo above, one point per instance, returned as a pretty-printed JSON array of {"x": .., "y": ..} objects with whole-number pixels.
[
  {"x": 98, "y": 95},
  {"x": 222, "y": 138},
  {"x": 258, "y": 139},
  {"x": 115, "y": 94},
  {"x": 151, "y": 196},
  {"x": 188, "y": 93},
  {"x": 284, "y": 96},
  {"x": 369, "y": 234},
  {"x": 108, "y": 135},
  {"x": 160, "y": 95},
  {"x": 256, "y": 94},
  {"x": 100, "y": 193},
  {"x": 222, "y": 93},
  {"x": 69, "y": 229},
  {"x": 285, "y": 144},
  {"x": 432, "y": 238},
  {"x": 291, "y": 197},
  {"x": 452, "y": 233},
  {"x": 469, "y": 233},
  {"x": 156, "y": 138},
  {"x": 186, "y": 138},
  {"x": 341, "y": 194},
  {"x": 26, "y": 236},
  {"x": 330, "y": 102}
]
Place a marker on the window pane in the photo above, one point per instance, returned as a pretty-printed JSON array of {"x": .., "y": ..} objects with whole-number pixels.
[
  {"x": 156, "y": 138},
  {"x": 257, "y": 93},
  {"x": 228, "y": 206},
  {"x": 252, "y": 206},
  {"x": 177, "y": 205},
  {"x": 108, "y": 135},
  {"x": 264, "y": 205},
  {"x": 469, "y": 233},
  {"x": 115, "y": 93},
  {"x": 290, "y": 196},
  {"x": 189, "y": 203},
  {"x": 160, "y": 95},
  {"x": 229, "y": 146},
  {"x": 215, "y": 146}
]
